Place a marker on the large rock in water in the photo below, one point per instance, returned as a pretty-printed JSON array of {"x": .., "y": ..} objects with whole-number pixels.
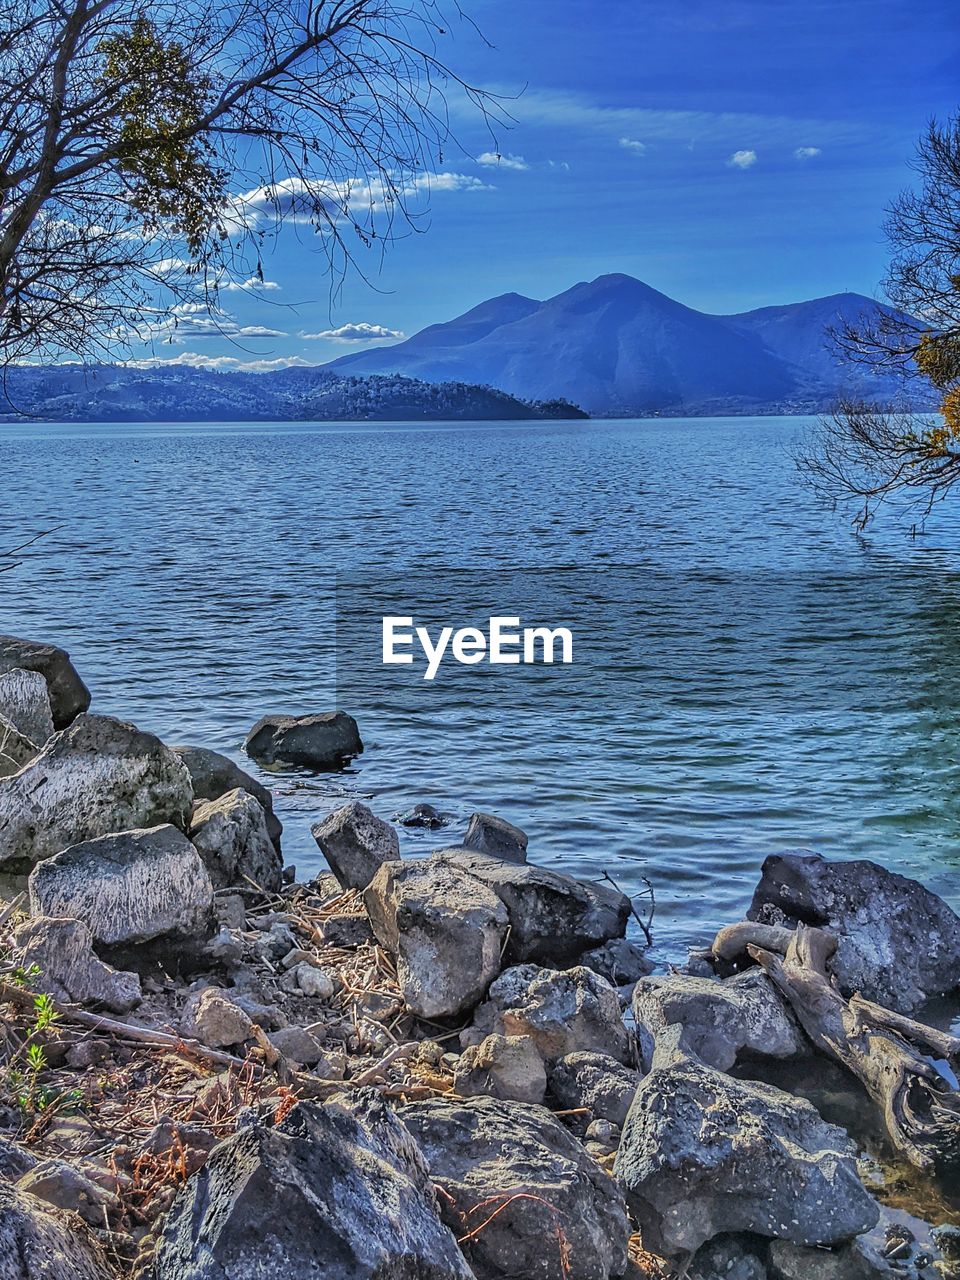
[
  {"x": 445, "y": 928},
  {"x": 519, "y": 1191},
  {"x": 213, "y": 775},
  {"x": 68, "y": 694},
  {"x": 39, "y": 1242},
  {"x": 325, "y": 741},
  {"x": 99, "y": 775},
  {"x": 231, "y": 836},
  {"x": 898, "y": 943},
  {"x": 501, "y": 839},
  {"x": 703, "y": 1153},
  {"x": 718, "y": 1020},
  {"x": 69, "y": 968},
  {"x": 356, "y": 843},
  {"x": 552, "y": 916},
  {"x": 562, "y": 1011},
  {"x": 328, "y": 1194},
  {"x": 25, "y": 703},
  {"x": 129, "y": 887}
]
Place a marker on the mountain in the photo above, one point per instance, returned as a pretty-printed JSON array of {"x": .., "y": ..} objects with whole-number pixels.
[
  {"x": 115, "y": 393},
  {"x": 618, "y": 347}
]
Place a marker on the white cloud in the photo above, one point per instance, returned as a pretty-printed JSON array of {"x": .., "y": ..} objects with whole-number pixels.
[
  {"x": 190, "y": 320},
  {"x": 806, "y": 153},
  {"x": 250, "y": 285},
  {"x": 302, "y": 201},
  {"x": 195, "y": 360},
  {"x": 358, "y": 332},
  {"x": 553, "y": 109},
  {"x": 634, "y": 144},
  {"x": 742, "y": 160},
  {"x": 494, "y": 160}
]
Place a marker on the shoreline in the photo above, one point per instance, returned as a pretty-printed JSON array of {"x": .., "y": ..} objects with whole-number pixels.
[{"x": 475, "y": 1025}]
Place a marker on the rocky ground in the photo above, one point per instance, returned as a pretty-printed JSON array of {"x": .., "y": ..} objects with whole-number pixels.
[{"x": 447, "y": 1066}]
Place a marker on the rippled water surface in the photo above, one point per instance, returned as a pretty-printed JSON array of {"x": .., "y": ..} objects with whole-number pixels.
[{"x": 749, "y": 675}]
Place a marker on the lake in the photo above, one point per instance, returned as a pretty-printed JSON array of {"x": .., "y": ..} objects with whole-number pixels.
[{"x": 749, "y": 675}]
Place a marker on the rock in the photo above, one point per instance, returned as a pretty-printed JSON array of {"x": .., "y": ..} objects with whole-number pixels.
[
  {"x": 355, "y": 843},
  {"x": 24, "y": 701},
  {"x": 61, "y": 1185},
  {"x": 858, "y": 1260},
  {"x": 15, "y": 1161},
  {"x": 98, "y": 776},
  {"x": 128, "y": 887},
  {"x": 16, "y": 750},
  {"x": 327, "y": 741},
  {"x": 622, "y": 963},
  {"x": 551, "y": 1213},
  {"x": 297, "y": 1046},
  {"x": 596, "y": 1081},
  {"x": 899, "y": 944},
  {"x": 39, "y": 1242},
  {"x": 230, "y": 834},
  {"x": 230, "y": 911},
  {"x": 67, "y": 693},
  {"x": 727, "y": 1258},
  {"x": 703, "y": 1154},
  {"x": 552, "y": 916},
  {"x": 563, "y": 1011},
  {"x": 328, "y": 1193},
  {"x": 501, "y": 1067},
  {"x": 315, "y": 982},
  {"x": 719, "y": 1019},
  {"x": 421, "y": 815},
  {"x": 446, "y": 929},
  {"x": 497, "y": 837},
  {"x": 346, "y": 930},
  {"x": 211, "y": 1017},
  {"x": 69, "y": 969},
  {"x": 213, "y": 775}
]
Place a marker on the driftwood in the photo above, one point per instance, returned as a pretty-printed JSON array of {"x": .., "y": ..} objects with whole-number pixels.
[
  {"x": 884, "y": 1050},
  {"x": 735, "y": 939}
]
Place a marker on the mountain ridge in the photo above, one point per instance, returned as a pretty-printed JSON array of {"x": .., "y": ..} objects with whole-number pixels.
[{"x": 619, "y": 347}]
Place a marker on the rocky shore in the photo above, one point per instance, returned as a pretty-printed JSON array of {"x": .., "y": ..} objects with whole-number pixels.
[{"x": 453, "y": 1065}]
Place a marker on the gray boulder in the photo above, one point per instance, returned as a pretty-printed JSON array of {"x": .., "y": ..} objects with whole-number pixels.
[
  {"x": 213, "y": 775},
  {"x": 327, "y": 741},
  {"x": 69, "y": 968},
  {"x": 703, "y": 1153},
  {"x": 497, "y": 837},
  {"x": 445, "y": 928},
  {"x": 728, "y": 1258},
  {"x": 68, "y": 695},
  {"x": 552, "y": 916},
  {"x": 128, "y": 887},
  {"x": 719, "y": 1020},
  {"x": 859, "y": 1260},
  {"x": 329, "y": 1193},
  {"x": 596, "y": 1081},
  {"x": 16, "y": 750},
  {"x": 421, "y": 815},
  {"x": 501, "y": 1067},
  {"x": 622, "y": 963},
  {"x": 98, "y": 776},
  {"x": 355, "y": 843},
  {"x": 546, "y": 1209},
  {"x": 230, "y": 834},
  {"x": 211, "y": 1017},
  {"x": 25, "y": 703},
  {"x": 40, "y": 1242},
  {"x": 562, "y": 1011},
  {"x": 898, "y": 943}
]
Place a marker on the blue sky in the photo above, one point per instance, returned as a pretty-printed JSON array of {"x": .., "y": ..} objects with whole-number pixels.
[{"x": 732, "y": 153}]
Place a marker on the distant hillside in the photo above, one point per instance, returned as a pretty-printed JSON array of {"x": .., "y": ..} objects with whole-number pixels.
[
  {"x": 115, "y": 393},
  {"x": 618, "y": 347}
]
